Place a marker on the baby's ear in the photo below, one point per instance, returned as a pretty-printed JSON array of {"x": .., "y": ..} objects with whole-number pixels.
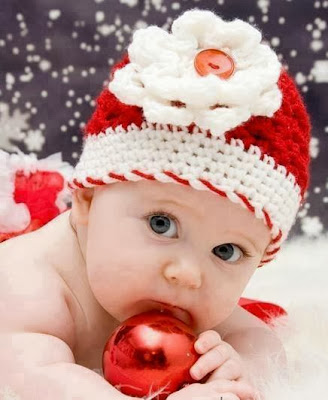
[{"x": 81, "y": 201}]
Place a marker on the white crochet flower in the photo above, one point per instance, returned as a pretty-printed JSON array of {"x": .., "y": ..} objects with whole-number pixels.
[{"x": 161, "y": 70}]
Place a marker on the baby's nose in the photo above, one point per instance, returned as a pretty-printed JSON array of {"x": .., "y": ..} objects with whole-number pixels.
[{"x": 184, "y": 275}]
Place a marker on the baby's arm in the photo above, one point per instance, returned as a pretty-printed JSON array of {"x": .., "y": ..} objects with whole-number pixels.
[
  {"x": 36, "y": 332},
  {"x": 56, "y": 377}
]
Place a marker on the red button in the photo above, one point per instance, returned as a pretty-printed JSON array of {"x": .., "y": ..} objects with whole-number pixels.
[{"x": 213, "y": 61}]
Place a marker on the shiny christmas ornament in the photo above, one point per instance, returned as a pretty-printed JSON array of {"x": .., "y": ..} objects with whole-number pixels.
[{"x": 150, "y": 354}]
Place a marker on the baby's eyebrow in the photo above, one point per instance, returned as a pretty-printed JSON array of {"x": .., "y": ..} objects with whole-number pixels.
[
  {"x": 247, "y": 238},
  {"x": 178, "y": 203}
]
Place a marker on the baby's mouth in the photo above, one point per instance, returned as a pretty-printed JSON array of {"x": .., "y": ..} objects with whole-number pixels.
[{"x": 176, "y": 311}]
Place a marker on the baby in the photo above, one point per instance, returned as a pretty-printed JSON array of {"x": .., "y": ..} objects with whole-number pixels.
[{"x": 194, "y": 165}]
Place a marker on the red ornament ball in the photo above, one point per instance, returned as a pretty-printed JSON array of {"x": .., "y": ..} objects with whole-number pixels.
[{"x": 150, "y": 354}]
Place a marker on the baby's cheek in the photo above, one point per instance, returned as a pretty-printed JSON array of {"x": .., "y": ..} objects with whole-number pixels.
[
  {"x": 100, "y": 285},
  {"x": 97, "y": 249}
]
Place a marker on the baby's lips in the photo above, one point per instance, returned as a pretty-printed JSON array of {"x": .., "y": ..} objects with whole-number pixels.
[
  {"x": 181, "y": 314},
  {"x": 177, "y": 312}
]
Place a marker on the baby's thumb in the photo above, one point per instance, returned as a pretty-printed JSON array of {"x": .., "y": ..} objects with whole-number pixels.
[{"x": 218, "y": 396}]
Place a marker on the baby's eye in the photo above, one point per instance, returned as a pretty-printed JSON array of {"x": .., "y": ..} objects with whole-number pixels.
[
  {"x": 161, "y": 223},
  {"x": 227, "y": 253}
]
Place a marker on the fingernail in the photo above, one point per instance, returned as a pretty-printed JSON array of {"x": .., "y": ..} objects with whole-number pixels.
[
  {"x": 195, "y": 372},
  {"x": 199, "y": 346}
]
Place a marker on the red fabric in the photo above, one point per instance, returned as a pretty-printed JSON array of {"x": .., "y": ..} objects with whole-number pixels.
[
  {"x": 285, "y": 136},
  {"x": 263, "y": 310},
  {"x": 110, "y": 112},
  {"x": 39, "y": 192}
]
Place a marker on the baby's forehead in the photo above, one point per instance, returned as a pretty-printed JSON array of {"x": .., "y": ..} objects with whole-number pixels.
[
  {"x": 166, "y": 191},
  {"x": 200, "y": 202},
  {"x": 197, "y": 202}
]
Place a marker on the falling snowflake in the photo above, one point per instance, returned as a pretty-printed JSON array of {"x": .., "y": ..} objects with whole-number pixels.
[
  {"x": 12, "y": 127},
  {"x": 263, "y": 5},
  {"x": 311, "y": 226},
  {"x": 314, "y": 147},
  {"x": 54, "y": 14},
  {"x": 320, "y": 71},
  {"x": 157, "y": 4},
  {"x": 300, "y": 78},
  {"x": 130, "y": 3},
  {"x": 34, "y": 140},
  {"x": 106, "y": 29}
]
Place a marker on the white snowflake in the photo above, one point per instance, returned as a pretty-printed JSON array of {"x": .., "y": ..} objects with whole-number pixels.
[
  {"x": 106, "y": 29},
  {"x": 316, "y": 45},
  {"x": 263, "y": 5},
  {"x": 34, "y": 140},
  {"x": 130, "y": 3},
  {"x": 12, "y": 127},
  {"x": 45, "y": 65},
  {"x": 157, "y": 4},
  {"x": 99, "y": 16},
  {"x": 54, "y": 14},
  {"x": 140, "y": 24},
  {"x": 302, "y": 213},
  {"x": 311, "y": 226},
  {"x": 300, "y": 78},
  {"x": 314, "y": 147},
  {"x": 320, "y": 71}
]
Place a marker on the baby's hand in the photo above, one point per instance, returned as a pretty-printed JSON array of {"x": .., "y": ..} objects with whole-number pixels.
[
  {"x": 221, "y": 358},
  {"x": 220, "y": 389}
]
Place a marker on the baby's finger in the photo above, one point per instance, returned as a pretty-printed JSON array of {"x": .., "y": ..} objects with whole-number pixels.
[
  {"x": 210, "y": 361},
  {"x": 223, "y": 396},
  {"x": 197, "y": 391},
  {"x": 206, "y": 341},
  {"x": 231, "y": 369},
  {"x": 241, "y": 389}
]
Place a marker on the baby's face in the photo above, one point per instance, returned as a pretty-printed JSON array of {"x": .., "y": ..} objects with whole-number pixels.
[{"x": 193, "y": 258}]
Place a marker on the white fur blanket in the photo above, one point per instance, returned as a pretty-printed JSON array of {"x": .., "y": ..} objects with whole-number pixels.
[{"x": 298, "y": 281}]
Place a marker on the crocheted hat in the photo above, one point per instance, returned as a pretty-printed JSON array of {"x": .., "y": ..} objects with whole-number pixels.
[{"x": 209, "y": 106}]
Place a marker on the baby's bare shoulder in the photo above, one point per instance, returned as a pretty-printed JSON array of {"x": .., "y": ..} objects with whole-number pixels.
[{"x": 33, "y": 297}]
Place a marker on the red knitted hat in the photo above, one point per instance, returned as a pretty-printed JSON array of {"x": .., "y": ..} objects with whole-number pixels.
[{"x": 209, "y": 106}]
